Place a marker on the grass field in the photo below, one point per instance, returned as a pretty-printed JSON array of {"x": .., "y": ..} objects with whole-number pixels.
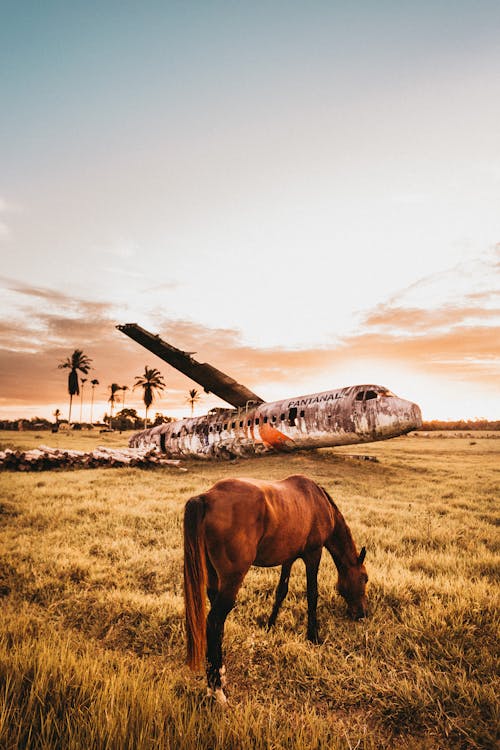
[{"x": 91, "y": 628}]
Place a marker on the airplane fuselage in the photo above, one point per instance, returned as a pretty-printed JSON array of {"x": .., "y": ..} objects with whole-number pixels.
[{"x": 356, "y": 414}]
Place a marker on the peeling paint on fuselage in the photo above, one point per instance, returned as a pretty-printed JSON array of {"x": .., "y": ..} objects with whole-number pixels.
[{"x": 357, "y": 414}]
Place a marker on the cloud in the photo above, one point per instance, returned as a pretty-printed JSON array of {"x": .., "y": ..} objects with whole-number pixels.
[
  {"x": 32, "y": 291},
  {"x": 415, "y": 321},
  {"x": 167, "y": 286},
  {"x": 61, "y": 299},
  {"x": 455, "y": 335},
  {"x": 475, "y": 279},
  {"x": 463, "y": 353},
  {"x": 457, "y": 339},
  {"x": 33, "y": 344},
  {"x": 41, "y": 329}
]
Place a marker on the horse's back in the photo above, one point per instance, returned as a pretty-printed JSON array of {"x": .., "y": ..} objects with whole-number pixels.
[
  {"x": 228, "y": 496},
  {"x": 246, "y": 487},
  {"x": 266, "y": 523}
]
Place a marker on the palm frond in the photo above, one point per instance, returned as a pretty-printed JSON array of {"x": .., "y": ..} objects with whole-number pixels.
[
  {"x": 152, "y": 383},
  {"x": 80, "y": 361}
]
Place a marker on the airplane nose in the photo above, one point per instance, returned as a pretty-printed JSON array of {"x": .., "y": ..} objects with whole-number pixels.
[{"x": 415, "y": 417}]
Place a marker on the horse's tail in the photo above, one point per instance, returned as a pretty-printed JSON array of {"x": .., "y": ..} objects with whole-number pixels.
[{"x": 195, "y": 582}]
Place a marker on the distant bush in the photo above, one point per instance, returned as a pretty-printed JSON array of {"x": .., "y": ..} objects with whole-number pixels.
[
  {"x": 36, "y": 423},
  {"x": 461, "y": 424},
  {"x": 126, "y": 419}
]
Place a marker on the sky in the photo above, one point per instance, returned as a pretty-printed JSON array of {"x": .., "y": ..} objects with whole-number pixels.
[{"x": 307, "y": 195}]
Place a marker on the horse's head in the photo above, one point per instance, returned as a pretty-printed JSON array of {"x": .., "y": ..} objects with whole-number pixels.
[{"x": 352, "y": 587}]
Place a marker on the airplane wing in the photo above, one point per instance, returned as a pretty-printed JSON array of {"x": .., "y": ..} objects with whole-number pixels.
[{"x": 212, "y": 380}]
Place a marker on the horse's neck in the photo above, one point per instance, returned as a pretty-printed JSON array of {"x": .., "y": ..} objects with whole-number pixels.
[{"x": 340, "y": 543}]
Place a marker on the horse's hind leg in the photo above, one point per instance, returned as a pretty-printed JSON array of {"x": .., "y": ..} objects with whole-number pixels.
[
  {"x": 221, "y": 607},
  {"x": 212, "y": 593},
  {"x": 312, "y": 562},
  {"x": 281, "y": 592},
  {"x": 213, "y": 583}
]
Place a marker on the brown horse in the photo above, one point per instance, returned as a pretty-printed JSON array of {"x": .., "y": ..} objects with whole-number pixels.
[{"x": 242, "y": 522}]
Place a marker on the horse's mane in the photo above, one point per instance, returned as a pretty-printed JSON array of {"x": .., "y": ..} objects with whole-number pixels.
[
  {"x": 342, "y": 530},
  {"x": 329, "y": 498}
]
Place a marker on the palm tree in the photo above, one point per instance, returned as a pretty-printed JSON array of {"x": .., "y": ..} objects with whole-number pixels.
[
  {"x": 82, "y": 383},
  {"x": 114, "y": 388},
  {"x": 93, "y": 383},
  {"x": 194, "y": 396},
  {"x": 77, "y": 361},
  {"x": 124, "y": 389},
  {"x": 150, "y": 381}
]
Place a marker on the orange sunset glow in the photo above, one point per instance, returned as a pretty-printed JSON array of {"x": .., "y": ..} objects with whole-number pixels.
[{"x": 445, "y": 357}]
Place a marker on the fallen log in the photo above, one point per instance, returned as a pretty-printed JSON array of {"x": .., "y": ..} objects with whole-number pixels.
[{"x": 46, "y": 458}]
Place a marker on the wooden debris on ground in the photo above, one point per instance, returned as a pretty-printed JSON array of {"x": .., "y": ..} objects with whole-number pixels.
[
  {"x": 359, "y": 457},
  {"x": 45, "y": 458}
]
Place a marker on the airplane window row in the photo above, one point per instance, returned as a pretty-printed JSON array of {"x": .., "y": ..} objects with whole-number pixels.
[{"x": 292, "y": 415}]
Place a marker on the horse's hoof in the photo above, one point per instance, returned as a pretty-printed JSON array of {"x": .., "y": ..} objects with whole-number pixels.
[
  {"x": 314, "y": 639},
  {"x": 218, "y": 694},
  {"x": 220, "y": 697},
  {"x": 223, "y": 678}
]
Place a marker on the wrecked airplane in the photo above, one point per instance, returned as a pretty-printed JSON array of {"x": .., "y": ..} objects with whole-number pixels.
[{"x": 345, "y": 416}]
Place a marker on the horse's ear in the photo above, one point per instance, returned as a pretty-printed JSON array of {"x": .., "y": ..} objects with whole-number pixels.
[{"x": 362, "y": 555}]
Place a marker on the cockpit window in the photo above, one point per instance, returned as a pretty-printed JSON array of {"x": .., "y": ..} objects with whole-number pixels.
[{"x": 366, "y": 395}]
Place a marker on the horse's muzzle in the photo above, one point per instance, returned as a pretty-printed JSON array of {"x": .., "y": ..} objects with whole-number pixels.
[{"x": 357, "y": 613}]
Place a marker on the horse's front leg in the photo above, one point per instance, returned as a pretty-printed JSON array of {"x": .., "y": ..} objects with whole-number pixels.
[
  {"x": 281, "y": 592},
  {"x": 312, "y": 561}
]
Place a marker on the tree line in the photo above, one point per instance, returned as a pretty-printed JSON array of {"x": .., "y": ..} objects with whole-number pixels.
[
  {"x": 151, "y": 381},
  {"x": 461, "y": 424}
]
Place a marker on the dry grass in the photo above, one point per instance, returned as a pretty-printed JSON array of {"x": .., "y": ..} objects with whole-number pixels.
[{"x": 91, "y": 638}]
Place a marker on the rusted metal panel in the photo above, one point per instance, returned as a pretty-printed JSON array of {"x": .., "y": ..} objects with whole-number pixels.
[
  {"x": 357, "y": 414},
  {"x": 211, "y": 379}
]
